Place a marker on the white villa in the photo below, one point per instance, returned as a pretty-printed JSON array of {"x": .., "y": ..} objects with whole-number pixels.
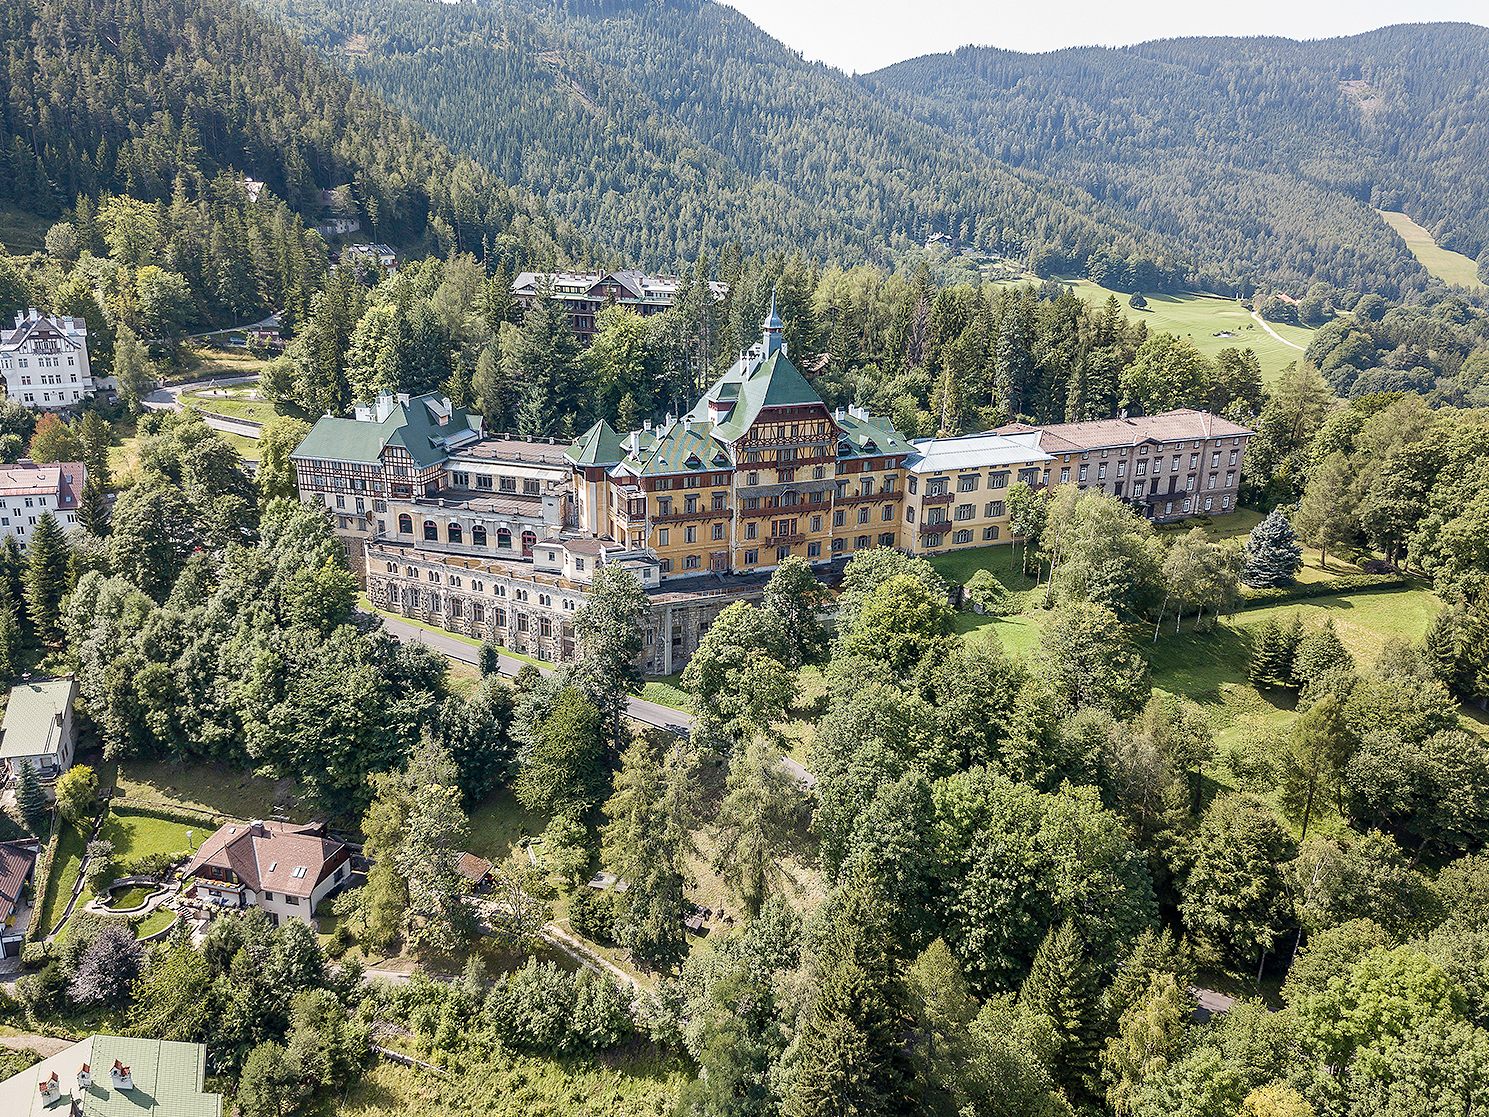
[{"x": 44, "y": 361}]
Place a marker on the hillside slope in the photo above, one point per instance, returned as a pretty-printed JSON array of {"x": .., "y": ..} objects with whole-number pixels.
[
  {"x": 1262, "y": 156},
  {"x": 148, "y": 97},
  {"x": 666, "y": 128}
]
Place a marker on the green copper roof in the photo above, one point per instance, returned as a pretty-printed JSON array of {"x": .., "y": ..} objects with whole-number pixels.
[
  {"x": 867, "y": 435},
  {"x": 774, "y": 382},
  {"x": 599, "y": 445},
  {"x": 168, "y": 1078},
  {"x": 412, "y": 425},
  {"x": 686, "y": 444}
]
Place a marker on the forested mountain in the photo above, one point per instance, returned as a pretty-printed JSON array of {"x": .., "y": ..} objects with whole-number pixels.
[
  {"x": 666, "y": 129},
  {"x": 156, "y": 99},
  {"x": 1262, "y": 156}
]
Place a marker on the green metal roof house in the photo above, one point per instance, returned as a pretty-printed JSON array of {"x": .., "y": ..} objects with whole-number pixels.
[
  {"x": 38, "y": 727},
  {"x": 114, "y": 1076}
]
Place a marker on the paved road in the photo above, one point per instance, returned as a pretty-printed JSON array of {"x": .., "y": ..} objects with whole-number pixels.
[
  {"x": 1268, "y": 327},
  {"x": 648, "y": 713}
]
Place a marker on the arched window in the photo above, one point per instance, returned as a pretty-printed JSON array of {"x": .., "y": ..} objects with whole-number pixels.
[
  {"x": 405, "y": 524},
  {"x": 478, "y": 535},
  {"x": 455, "y": 533},
  {"x": 503, "y": 539},
  {"x": 430, "y": 531},
  {"x": 529, "y": 538}
]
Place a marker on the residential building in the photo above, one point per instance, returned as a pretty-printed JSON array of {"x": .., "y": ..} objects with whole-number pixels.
[
  {"x": 585, "y": 294},
  {"x": 114, "y": 1076},
  {"x": 499, "y": 538},
  {"x": 284, "y": 868},
  {"x": 1175, "y": 464},
  {"x": 38, "y": 728},
  {"x": 27, "y": 490},
  {"x": 379, "y": 254},
  {"x": 17, "y": 866},
  {"x": 44, "y": 361}
]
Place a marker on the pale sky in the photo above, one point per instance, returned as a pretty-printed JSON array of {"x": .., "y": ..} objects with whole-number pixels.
[{"x": 863, "y": 35}]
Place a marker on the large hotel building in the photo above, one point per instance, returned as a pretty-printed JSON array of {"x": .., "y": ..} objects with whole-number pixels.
[{"x": 498, "y": 537}]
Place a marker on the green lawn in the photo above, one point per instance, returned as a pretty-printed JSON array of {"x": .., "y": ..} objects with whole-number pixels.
[
  {"x": 665, "y": 690},
  {"x": 1447, "y": 265},
  {"x": 629, "y": 1084},
  {"x": 140, "y": 835},
  {"x": 200, "y": 361},
  {"x": 240, "y": 401},
  {"x": 213, "y": 788},
  {"x": 22, "y": 232},
  {"x": 157, "y": 920},
  {"x": 1211, "y": 322},
  {"x": 64, "y": 874},
  {"x": 499, "y": 823}
]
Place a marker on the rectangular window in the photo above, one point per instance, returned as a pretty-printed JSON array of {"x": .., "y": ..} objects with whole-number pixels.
[
  {"x": 967, "y": 483},
  {"x": 690, "y": 535},
  {"x": 814, "y": 549},
  {"x": 751, "y": 557},
  {"x": 663, "y": 536},
  {"x": 965, "y": 511}
]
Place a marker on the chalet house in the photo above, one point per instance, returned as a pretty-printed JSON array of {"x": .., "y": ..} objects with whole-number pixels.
[
  {"x": 585, "y": 294},
  {"x": 27, "y": 490},
  {"x": 104, "y": 1076},
  {"x": 38, "y": 729},
  {"x": 284, "y": 868},
  {"x": 17, "y": 865},
  {"x": 44, "y": 361}
]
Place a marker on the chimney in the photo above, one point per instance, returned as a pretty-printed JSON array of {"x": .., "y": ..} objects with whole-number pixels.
[
  {"x": 85, "y": 1077},
  {"x": 119, "y": 1077},
  {"x": 50, "y": 1089},
  {"x": 646, "y": 424}
]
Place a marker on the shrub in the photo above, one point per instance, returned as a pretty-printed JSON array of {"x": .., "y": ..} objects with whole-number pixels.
[
  {"x": 593, "y": 914},
  {"x": 155, "y": 864},
  {"x": 988, "y": 595},
  {"x": 1252, "y": 597}
]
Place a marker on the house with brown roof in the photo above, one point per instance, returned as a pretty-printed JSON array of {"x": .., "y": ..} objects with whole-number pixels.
[
  {"x": 285, "y": 868},
  {"x": 17, "y": 864}
]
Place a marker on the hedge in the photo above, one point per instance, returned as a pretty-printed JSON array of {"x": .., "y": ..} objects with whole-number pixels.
[
  {"x": 1253, "y": 597},
  {"x": 166, "y": 814}
]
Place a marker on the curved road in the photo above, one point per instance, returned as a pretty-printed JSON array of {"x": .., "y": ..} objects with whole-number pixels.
[
  {"x": 648, "y": 713},
  {"x": 638, "y": 709},
  {"x": 1264, "y": 324}
]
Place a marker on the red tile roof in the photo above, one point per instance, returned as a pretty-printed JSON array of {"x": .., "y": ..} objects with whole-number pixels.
[
  {"x": 272, "y": 856},
  {"x": 16, "y": 862}
]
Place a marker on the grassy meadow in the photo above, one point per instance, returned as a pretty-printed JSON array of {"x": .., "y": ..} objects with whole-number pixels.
[
  {"x": 1445, "y": 264},
  {"x": 1210, "y": 322}
]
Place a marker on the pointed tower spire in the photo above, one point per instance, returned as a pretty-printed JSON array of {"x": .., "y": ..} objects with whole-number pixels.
[{"x": 771, "y": 340}]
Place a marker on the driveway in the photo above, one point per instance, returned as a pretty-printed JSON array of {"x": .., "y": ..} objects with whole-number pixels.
[{"x": 648, "y": 713}]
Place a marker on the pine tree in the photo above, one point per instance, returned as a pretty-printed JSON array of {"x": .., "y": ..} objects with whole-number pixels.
[
  {"x": 1267, "y": 654},
  {"x": 31, "y": 802},
  {"x": 1061, "y": 986},
  {"x": 94, "y": 433},
  {"x": 1273, "y": 555},
  {"x": 46, "y": 577},
  {"x": 1319, "y": 653},
  {"x": 1292, "y": 637},
  {"x": 1325, "y": 515},
  {"x": 850, "y": 1054},
  {"x": 10, "y": 641},
  {"x": 1440, "y": 643}
]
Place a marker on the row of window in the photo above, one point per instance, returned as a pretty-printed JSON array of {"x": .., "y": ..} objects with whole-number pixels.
[{"x": 531, "y": 486}]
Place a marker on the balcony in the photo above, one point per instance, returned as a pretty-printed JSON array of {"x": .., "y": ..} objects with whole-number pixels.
[
  {"x": 849, "y": 499},
  {"x": 938, "y": 528},
  {"x": 701, "y": 514},
  {"x": 939, "y": 498},
  {"x": 785, "y": 540}
]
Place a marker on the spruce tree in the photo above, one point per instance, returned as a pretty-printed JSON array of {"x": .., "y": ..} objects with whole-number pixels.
[
  {"x": 1292, "y": 636},
  {"x": 1318, "y": 653},
  {"x": 10, "y": 641},
  {"x": 1273, "y": 554},
  {"x": 850, "y": 1054},
  {"x": 46, "y": 577},
  {"x": 1061, "y": 986},
  {"x": 31, "y": 802},
  {"x": 1440, "y": 644},
  {"x": 1267, "y": 654}
]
